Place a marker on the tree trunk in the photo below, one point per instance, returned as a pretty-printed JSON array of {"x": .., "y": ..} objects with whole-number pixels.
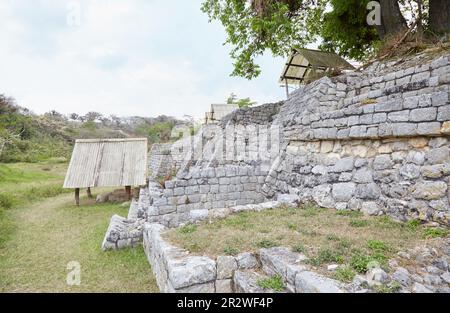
[
  {"x": 392, "y": 20},
  {"x": 440, "y": 16}
]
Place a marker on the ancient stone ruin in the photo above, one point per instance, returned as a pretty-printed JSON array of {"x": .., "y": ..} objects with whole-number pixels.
[{"x": 375, "y": 141}]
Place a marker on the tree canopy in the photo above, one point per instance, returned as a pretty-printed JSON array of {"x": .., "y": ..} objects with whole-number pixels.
[{"x": 278, "y": 26}]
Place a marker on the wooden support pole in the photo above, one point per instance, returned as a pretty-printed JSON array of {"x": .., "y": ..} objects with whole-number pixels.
[
  {"x": 77, "y": 196},
  {"x": 128, "y": 191},
  {"x": 89, "y": 193}
]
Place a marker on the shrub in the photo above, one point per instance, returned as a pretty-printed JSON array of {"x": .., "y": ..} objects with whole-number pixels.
[
  {"x": 378, "y": 246},
  {"x": 413, "y": 224},
  {"x": 274, "y": 283},
  {"x": 359, "y": 262},
  {"x": 344, "y": 274},
  {"x": 327, "y": 256}
]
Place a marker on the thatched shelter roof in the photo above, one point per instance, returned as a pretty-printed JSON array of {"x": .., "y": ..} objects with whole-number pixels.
[
  {"x": 305, "y": 63},
  {"x": 107, "y": 163}
]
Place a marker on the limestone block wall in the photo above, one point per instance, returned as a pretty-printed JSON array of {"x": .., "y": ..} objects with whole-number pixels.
[
  {"x": 404, "y": 178},
  {"x": 160, "y": 160},
  {"x": 190, "y": 198},
  {"x": 376, "y": 141}
]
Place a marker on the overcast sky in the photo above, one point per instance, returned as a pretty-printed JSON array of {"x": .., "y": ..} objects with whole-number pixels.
[{"x": 133, "y": 57}]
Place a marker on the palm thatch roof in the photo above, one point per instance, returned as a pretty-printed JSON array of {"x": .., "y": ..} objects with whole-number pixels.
[
  {"x": 304, "y": 64},
  {"x": 107, "y": 163}
]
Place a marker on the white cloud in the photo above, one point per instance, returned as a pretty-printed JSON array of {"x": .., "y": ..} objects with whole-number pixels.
[{"x": 131, "y": 57}]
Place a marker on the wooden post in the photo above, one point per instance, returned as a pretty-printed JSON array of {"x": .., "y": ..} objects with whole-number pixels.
[
  {"x": 77, "y": 196},
  {"x": 89, "y": 193},
  {"x": 128, "y": 191}
]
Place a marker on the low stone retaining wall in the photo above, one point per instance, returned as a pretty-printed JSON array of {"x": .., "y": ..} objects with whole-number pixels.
[
  {"x": 178, "y": 271},
  {"x": 123, "y": 233}
]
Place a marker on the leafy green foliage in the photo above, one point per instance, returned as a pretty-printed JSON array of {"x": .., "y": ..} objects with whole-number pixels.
[
  {"x": 327, "y": 255},
  {"x": 277, "y": 26},
  {"x": 344, "y": 274},
  {"x": 346, "y": 31},
  {"x": 274, "y": 283},
  {"x": 157, "y": 132},
  {"x": 378, "y": 246}
]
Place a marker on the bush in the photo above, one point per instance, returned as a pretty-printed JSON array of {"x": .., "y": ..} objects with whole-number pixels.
[
  {"x": 378, "y": 246},
  {"x": 274, "y": 283},
  {"x": 345, "y": 274},
  {"x": 327, "y": 256}
]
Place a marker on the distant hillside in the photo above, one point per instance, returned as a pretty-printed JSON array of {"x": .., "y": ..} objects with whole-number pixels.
[{"x": 27, "y": 137}]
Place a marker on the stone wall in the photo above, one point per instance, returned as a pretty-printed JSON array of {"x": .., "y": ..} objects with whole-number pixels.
[
  {"x": 375, "y": 141},
  {"x": 259, "y": 115},
  {"x": 161, "y": 163},
  {"x": 177, "y": 271},
  {"x": 190, "y": 198}
]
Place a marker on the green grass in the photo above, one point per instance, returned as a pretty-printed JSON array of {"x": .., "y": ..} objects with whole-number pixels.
[
  {"x": 43, "y": 230},
  {"x": 274, "y": 283},
  {"x": 435, "y": 232},
  {"x": 324, "y": 236},
  {"x": 266, "y": 243},
  {"x": 188, "y": 229},
  {"x": 230, "y": 250}
]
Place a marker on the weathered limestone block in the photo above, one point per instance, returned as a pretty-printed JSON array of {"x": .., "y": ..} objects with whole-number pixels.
[
  {"x": 429, "y": 190},
  {"x": 247, "y": 282},
  {"x": 246, "y": 260},
  {"x": 281, "y": 261},
  {"x": 122, "y": 233},
  {"x": 192, "y": 270},
  {"x": 226, "y": 265},
  {"x": 343, "y": 191},
  {"x": 224, "y": 286},
  {"x": 322, "y": 196},
  {"x": 310, "y": 282}
]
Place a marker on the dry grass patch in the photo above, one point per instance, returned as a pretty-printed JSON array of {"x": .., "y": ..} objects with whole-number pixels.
[{"x": 325, "y": 236}]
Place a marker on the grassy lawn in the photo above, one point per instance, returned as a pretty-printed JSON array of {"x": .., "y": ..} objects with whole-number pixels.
[
  {"x": 325, "y": 236},
  {"x": 42, "y": 230}
]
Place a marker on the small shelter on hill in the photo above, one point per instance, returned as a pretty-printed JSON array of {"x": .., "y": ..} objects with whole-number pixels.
[
  {"x": 107, "y": 163},
  {"x": 306, "y": 65},
  {"x": 219, "y": 111}
]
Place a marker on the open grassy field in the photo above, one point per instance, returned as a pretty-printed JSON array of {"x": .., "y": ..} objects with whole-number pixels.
[
  {"x": 42, "y": 230},
  {"x": 325, "y": 236}
]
